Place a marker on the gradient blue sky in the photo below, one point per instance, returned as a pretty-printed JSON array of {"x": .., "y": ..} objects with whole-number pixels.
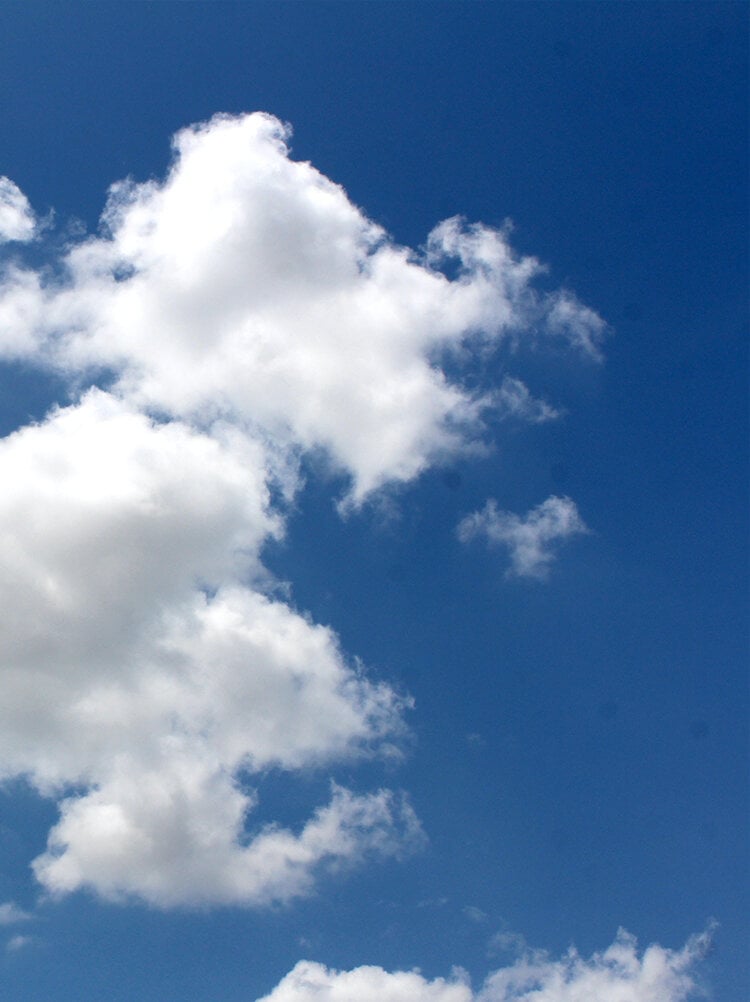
[{"x": 578, "y": 748}]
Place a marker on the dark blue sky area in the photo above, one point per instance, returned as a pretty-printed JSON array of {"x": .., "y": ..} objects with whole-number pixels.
[{"x": 581, "y": 752}]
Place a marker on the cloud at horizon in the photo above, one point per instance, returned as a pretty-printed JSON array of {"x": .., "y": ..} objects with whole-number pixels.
[{"x": 617, "y": 974}]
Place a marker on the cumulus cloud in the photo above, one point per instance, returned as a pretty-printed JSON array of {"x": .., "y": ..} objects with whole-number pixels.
[
  {"x": 310, "y": 981},
  {"x": 173, "y": 837},
  {"x": 137, "y": 664},
  {"x": 247, "y": 285},
  {"x": 532, "y": 538},
  {"x": 619, "y": 974},
  {"x": 16, "y": 217},
  {"x": 234, "y": 317}
]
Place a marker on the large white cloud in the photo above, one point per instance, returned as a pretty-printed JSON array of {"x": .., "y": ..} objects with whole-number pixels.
[
  {"x": 241, "y": 313},
  {"x": 135, "y": 663},
  {"x": 248, "y": 285},
  {"x": 619, "y": 974}
]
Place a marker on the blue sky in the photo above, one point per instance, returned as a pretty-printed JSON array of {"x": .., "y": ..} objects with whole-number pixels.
[{"x": 374, "y": 597}]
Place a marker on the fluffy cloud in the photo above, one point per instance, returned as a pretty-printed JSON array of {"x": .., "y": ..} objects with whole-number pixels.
[
  {"x": 16, "y": 217},
  {"x": 137, "y": 665},
  {"x": 248, "y": 286},
  {"x": 309, "y": 981},
  {"x": 241, "y": 313},
  {"x": 173, "y": 836},
  {"x": 618, "y": 974},
  {"x": 531, "y": 538}
]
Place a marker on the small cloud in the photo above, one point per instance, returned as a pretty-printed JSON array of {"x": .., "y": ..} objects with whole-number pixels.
[
  {"x": 17, "y": 943},
  {"x": 506, "y": 941},
  {"x": 474, "y": 914},
  {"x": 10, "y": 914},
  {"x": 579, "y": 326},
  {"x": 530, "y": 538},
  {"x": 514, "y": 400},
  {"x": 475, "y": 740}
]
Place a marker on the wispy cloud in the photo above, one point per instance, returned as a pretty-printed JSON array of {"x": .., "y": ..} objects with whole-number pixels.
[
  {"x": 575, "y": 323},
  {"x": 11, "y": 914},
  {"x": 515, "y": 400},
  {"x": 16, "y": 943},
  {"x": 531, "y": 539}
]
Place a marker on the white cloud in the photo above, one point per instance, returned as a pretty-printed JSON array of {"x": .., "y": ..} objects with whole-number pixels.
[
  {"x": 172, "y": 836},
  {"x": 531, "y": 538},
  {"x": 137, "y": 664},
  {"x": 280, "y": 306},
  {"x": 243, "y": 313},
  {"x": 575, "y": 323},
  {"x": 619, "y": 974},
  {"x": 16, "y": 217},
  {"x": 310, "y": 982}
]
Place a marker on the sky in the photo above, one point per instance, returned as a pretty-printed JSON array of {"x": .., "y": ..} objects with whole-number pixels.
[{"x": 374, "y": 470}]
